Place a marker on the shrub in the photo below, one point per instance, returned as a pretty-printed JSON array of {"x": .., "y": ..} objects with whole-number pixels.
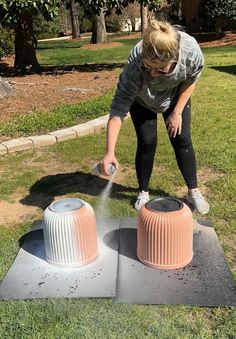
[
  {"x": 6, "y": 42},
  {"x": 86, "y": 25},
  {"x": 112, "y": 24},
  {"x": 44, "y": 29}
]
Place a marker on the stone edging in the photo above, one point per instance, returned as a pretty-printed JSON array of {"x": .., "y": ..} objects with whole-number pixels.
[{"x": 25, "y": 143}]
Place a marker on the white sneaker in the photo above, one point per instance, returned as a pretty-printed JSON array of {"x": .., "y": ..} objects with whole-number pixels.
[
  {"x": 142, "y": 198},
  {"x": 199, "y": 203}
]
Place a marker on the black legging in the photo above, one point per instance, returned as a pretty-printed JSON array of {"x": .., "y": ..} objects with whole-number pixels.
[{"x": 145, "y": 123}]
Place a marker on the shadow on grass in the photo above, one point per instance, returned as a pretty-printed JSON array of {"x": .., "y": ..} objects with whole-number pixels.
[
  {"x": 43, "y": 191},
  {"x": 231, "y": 69},
  {"x": 48, "y": 46},
  {"x": 207, "y": 36},
  {"x": 7, "y": 71}
]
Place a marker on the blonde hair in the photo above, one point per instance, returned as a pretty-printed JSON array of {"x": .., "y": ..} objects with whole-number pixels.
[{"x": 160, "y": 42}]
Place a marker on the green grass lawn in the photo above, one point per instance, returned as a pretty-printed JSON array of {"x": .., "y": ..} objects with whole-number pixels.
[
  {"x": 57, "y": 53},
  {"x": 65, "y": 115},
  {"x": 36, "y": 172}
]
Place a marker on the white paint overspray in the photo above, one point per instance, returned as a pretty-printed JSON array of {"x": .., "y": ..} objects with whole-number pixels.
[
  {"x": 102, "y": 210},
  {"x": 102, "y": 213}
]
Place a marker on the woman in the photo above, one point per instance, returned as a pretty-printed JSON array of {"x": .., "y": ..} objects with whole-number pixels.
[{"x": 159, "y": 77}]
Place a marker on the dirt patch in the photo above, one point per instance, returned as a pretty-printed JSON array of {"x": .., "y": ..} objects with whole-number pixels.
[
  {"x": 204, "y": 175},
  {"x": 27, "y": 205},
  {"x": 14, "y": 213},
  {"x": 43, "y": 92},
  {"x": 58, "y": 180},
  {"x": 207, "y": 174},
  {"x": 17, "y": 212}
]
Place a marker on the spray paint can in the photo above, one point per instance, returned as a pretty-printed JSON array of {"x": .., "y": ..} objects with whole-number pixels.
[{"x": 97, "y": 169}]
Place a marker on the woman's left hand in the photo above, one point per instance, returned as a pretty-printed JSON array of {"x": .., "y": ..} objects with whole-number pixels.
[{"x": 174, "y": 124}]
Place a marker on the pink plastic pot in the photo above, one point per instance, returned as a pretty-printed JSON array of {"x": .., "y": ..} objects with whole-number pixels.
[
  {"x": 70, "y": 233},
  {"x": 165, "y": 234}
]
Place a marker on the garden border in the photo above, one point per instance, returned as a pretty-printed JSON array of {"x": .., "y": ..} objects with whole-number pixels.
[{"x": 31, "y": 142}]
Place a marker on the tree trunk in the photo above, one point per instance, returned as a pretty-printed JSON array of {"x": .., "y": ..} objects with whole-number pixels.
[
  {"x": 99, "y": 33},
  {"x": 6, "y": 90},
  {"x": 133, "y": 25},
  {"x": 218, "y": 27},
  {"x": 144, "y": 18},
  {"x": 25, "y": 44},
  {"x": 74, "y": 20}
]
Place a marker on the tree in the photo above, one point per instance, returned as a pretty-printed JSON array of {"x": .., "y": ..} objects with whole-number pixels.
[
  {"x": 130, "y": 14},
  {"x": 99, "y": 33},
  {"x": 175, "y": 15},
  {"x": 216, "y": 10},
  {"x": 19, "y": 15},
  {"x": 101, "y": 7},
  {"x": 74, "y": 20},
  {"x": 144, "y": 17}
]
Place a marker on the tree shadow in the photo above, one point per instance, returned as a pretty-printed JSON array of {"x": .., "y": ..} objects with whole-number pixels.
[
  {"x": 43, "y": 191},
  {"x": 8, "y": 71},
  {"x": 206, "y": 36},
  {"x": 231, "y": 69},
  {"x": 62, "y": 45},
  {"x": 4, "y": 65}
]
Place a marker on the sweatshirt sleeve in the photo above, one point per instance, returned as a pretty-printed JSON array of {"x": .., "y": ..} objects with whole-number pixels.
[
  {"x": 128, "y": 87},
  {"x": 196, "y": 64}
]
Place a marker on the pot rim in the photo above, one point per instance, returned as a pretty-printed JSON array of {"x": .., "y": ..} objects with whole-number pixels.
[
  {"x": 66, "y": 205},
  {"x": 176, "y": 205}
]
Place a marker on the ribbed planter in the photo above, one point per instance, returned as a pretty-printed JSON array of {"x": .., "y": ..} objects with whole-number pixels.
[
  {"x": 70, "y": 233},
  {"x": 165, "y": 234}
]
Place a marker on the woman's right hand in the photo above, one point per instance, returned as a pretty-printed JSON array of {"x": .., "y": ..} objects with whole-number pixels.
[
  {"x": 113, "y": 128},
  {"x": 108, "y": 159}
]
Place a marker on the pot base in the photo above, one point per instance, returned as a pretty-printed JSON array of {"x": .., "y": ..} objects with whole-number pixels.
[
  {"x": 166, "y": 267},
  {"x": 70, "y": 265}
]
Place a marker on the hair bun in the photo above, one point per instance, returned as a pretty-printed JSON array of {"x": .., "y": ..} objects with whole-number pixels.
[
  {"x": 160, "y": 42},
  {"x": 163, "y": 28},
  {"x": 159, "y": 26}
]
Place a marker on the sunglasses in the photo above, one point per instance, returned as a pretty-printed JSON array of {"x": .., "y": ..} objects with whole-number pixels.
[{"x": 155, "y": 70}]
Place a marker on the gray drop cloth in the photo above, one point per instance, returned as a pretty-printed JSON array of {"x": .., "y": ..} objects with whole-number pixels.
[
  {"x": 30, "y": 276},
  {"x": 206, "y": 281}
]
